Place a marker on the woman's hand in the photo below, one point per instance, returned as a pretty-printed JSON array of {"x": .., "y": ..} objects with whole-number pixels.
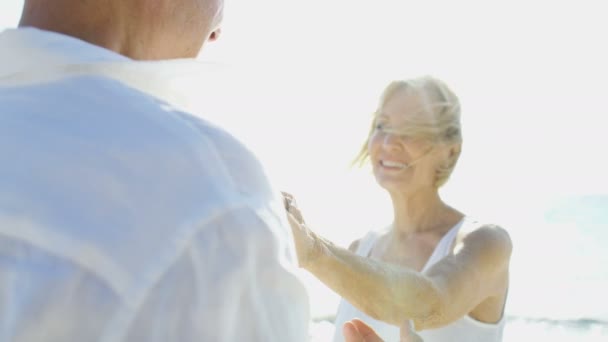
[
  {"x": 292, "y": 208},
  {"x": 307, "y": 243},
  {"x": 357, "y": 331}
]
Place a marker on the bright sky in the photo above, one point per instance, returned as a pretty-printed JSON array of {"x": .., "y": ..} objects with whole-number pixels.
[{"x": 531, "y": 76}]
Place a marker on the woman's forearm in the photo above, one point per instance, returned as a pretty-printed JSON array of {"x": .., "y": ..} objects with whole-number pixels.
[{"x": 383, "y": 291}]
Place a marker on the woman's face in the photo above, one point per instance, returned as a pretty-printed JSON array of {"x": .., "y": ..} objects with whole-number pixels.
[{"x": 400, "y": 162}]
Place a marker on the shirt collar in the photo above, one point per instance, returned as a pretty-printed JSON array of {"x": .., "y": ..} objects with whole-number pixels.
[
  {"x": 29, "y": 48},
  {"x": 31, "y": 55}
]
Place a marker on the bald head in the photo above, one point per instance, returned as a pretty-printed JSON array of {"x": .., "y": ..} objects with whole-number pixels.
[{"x": 139, "y": 29}]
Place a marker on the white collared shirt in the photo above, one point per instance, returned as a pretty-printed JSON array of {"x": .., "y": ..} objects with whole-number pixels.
[{"x": 125, "y": 219}]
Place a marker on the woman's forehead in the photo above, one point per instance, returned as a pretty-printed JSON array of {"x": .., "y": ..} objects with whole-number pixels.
[{"x": 405, "y": 105}]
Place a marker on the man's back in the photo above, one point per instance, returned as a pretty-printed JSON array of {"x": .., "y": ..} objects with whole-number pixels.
[{"x": 123, "y": 219}]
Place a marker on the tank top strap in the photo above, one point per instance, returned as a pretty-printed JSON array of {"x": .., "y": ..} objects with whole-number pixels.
[
  {"x": 444, "y": 247},
  {"x": 367, "y": 243}
]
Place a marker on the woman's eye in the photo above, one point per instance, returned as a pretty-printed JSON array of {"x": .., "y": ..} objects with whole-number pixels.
[{"x": 379, "y": 126}]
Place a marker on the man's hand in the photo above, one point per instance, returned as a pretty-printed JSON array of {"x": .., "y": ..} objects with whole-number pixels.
[{"x": 357, "y": 331}]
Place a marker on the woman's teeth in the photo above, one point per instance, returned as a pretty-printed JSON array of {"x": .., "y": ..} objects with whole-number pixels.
[{"x": 393, "y": 164}]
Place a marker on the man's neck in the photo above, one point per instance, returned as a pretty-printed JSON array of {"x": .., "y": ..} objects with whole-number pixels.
[{"x": 80, "y": 24}]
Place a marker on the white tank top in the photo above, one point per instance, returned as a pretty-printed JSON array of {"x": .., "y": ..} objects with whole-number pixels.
[{"x": 466, "y": 329}]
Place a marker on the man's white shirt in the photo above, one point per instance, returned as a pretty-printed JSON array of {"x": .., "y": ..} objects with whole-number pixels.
[{"x": 123, "y": 218}]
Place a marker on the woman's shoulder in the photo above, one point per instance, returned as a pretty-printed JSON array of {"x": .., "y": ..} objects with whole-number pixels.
[
  {"x": 486, "y": 236},
  {"x": 472, "y": 225}
]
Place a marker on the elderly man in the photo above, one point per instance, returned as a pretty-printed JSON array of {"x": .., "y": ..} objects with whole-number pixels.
[{"x": 121, "y": 217}]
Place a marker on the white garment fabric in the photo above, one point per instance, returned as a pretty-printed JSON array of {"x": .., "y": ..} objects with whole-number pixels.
[
  {"x": 125, "y": 219},
  {"x": 465, "y": 329}
]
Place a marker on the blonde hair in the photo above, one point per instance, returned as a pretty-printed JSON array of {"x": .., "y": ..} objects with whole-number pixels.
[{"x": 441, "y": 124}]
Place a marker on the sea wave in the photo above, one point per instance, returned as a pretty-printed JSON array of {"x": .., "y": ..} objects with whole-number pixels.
[{"x": 535, "y": 329}]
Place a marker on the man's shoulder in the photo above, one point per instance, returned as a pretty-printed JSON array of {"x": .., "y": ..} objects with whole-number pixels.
[
  {"x": 114, "y": 113},
  {"x": 240, "y": 162},
  {"x": 72, "y": 91},
  {"x": 108, "y": 97}
]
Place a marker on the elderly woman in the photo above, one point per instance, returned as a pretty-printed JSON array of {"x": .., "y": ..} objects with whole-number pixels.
[{"x": 434, "y": 270}]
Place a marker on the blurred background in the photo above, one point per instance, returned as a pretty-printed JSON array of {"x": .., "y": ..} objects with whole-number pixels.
[{"x": 531, "y": 76}]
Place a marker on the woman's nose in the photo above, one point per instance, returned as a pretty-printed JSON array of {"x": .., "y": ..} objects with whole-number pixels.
[{"x": 390, "y": 140}]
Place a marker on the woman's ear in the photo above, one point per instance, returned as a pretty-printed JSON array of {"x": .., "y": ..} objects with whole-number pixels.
[{"x": 452, "y": 153}]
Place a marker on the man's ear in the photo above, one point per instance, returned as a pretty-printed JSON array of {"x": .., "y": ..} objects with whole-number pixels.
[{"x": 215, "y": 35}]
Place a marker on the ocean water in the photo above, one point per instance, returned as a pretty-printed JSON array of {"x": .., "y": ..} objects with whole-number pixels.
[
  {"x": 559, "y": 274},
  {"x": 516, "y": 330}
]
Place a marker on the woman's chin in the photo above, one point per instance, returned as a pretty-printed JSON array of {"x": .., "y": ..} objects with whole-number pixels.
[{"x": 392, "y": 184}]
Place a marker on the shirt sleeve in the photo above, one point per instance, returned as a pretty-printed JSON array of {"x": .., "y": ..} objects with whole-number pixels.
[{"x": 235, "y": 283}]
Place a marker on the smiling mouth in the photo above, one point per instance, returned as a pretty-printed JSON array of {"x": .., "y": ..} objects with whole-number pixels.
[{"x": 392, "y": 165}]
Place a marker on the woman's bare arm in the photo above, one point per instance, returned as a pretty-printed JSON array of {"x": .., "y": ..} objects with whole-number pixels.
[{"x": 447, "y": 291}]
